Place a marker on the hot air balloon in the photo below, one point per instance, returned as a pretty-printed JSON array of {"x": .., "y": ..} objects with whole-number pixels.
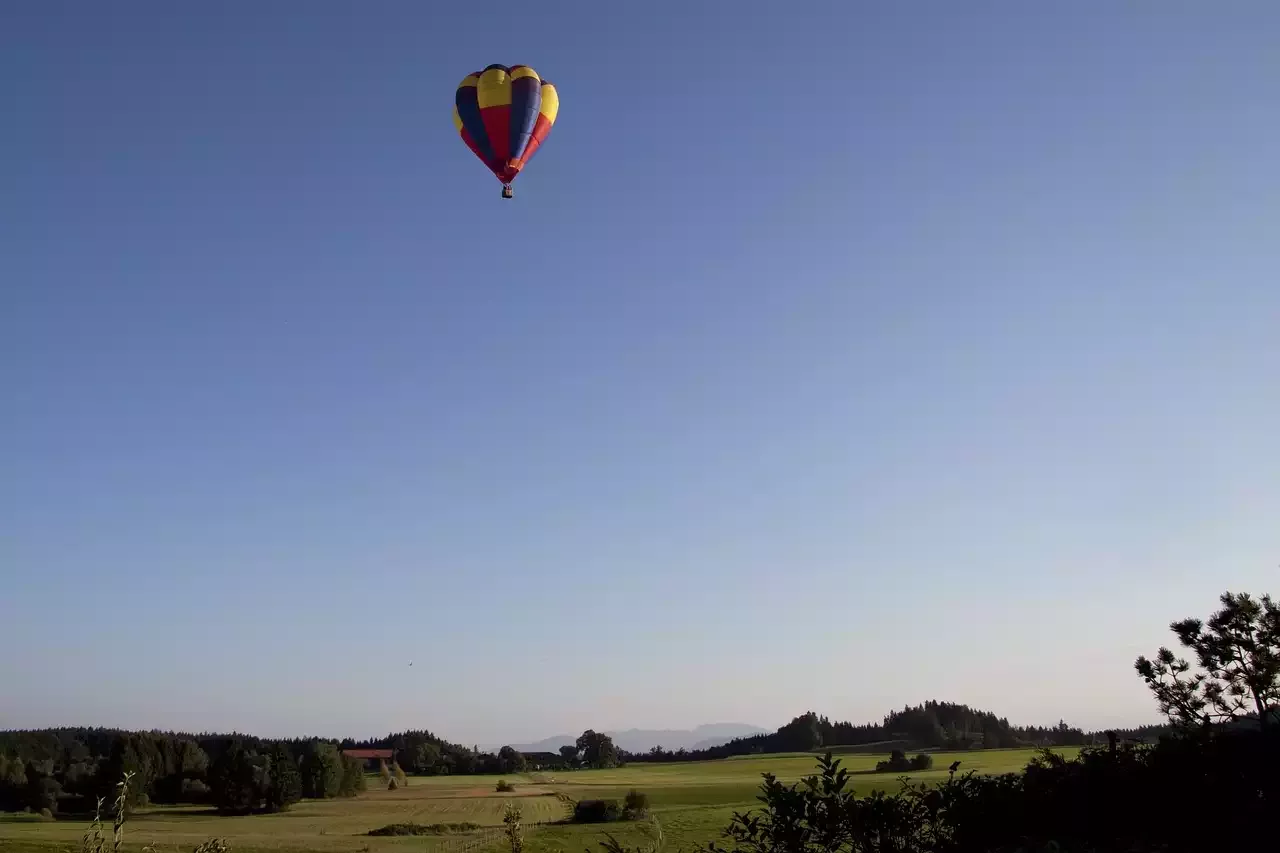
[{"x": 503, "y": 115}]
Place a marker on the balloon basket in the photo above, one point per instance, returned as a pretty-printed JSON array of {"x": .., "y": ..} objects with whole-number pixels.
[{"x": 507, "y": 192}]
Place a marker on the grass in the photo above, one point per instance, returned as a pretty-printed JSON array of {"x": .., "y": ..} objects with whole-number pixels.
[
  {"x": 877, "y": 747},
  {"x": 340, "y": 826},
  {"x": 692, "y": 802}
]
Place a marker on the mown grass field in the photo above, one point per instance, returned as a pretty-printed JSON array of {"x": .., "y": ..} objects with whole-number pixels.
[{"x": 692, "y": 802}]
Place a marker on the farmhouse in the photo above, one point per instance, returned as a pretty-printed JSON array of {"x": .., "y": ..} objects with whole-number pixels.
[
  {"x": 543, "y": 760},
  {"x": 369, "y": 756}
]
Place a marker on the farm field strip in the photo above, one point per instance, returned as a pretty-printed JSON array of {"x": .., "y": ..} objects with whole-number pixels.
[{"x": 693, "y": 802}]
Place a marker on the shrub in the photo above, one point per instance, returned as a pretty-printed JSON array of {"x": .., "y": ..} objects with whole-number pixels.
[
  {"x": 898, "y": 762},
  {"x": 895, "y": 763},
  {"x": 424, "y": 829},
  {"x": 213, "y": 845},
  {"x": 596, "y": 811},
  {"x": 194, "y": 791},
  {"x": 635, "y": 805},
  {"x": 505, "y": 787}
]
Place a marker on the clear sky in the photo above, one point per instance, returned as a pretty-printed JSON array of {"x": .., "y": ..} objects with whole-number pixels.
[{"x": 834, "y": 357}]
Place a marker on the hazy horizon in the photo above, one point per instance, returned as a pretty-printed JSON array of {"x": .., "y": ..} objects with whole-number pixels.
[
  {"x": 495, "y": 742},
  {"x": 955, "y": 376}
]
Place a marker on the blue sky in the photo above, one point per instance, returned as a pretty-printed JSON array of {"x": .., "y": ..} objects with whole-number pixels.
[{"x": 834, "y": 359}]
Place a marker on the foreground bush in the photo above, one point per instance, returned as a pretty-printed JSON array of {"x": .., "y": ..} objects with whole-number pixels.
[{"x": 1186, "y": 793}]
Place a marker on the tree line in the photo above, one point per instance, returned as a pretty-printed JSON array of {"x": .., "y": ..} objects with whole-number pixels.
[
  {"x": 54, "y": 771},
  {"x": 931, "y": 725},
  {"x": 66, "y": 770}
]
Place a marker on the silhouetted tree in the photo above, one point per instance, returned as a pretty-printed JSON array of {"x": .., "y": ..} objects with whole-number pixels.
[
  {"x": 570, "y": 755},
  {"x": 1238, "y": 651},
  {"x": 803, "y": 734}
]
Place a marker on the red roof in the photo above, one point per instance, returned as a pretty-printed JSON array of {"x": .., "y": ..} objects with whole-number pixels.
[{"x": 368, "y": 754}]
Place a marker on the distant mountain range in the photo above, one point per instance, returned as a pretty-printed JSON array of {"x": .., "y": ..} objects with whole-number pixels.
[{"x": 642, "y": 740}]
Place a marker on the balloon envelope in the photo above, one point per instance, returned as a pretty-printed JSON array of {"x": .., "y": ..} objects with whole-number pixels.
[{"x": 504, "y": 115}]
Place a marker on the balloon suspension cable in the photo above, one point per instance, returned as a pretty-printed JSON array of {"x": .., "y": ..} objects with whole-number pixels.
[{"x": 507, "y": 192}]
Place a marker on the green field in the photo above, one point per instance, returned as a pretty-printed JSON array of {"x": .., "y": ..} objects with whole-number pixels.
[{"x": 691, "y": 802}]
